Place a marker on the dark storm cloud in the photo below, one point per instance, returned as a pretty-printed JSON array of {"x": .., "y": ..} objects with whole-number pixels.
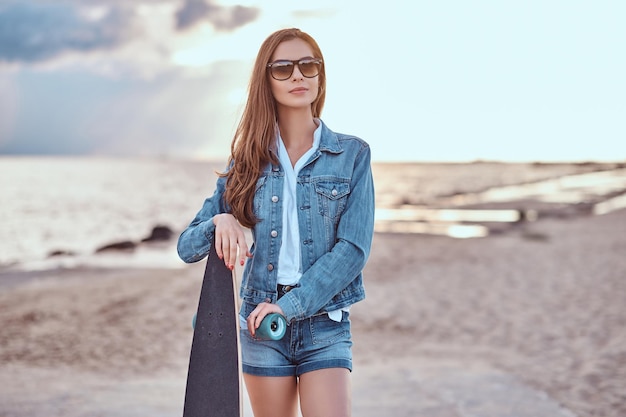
[
  {"x": 32, "y": 31},
  {"x": 222, "y": 18}
]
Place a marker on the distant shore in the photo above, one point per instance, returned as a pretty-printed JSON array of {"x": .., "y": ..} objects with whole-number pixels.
[
  {"x": 78, "y": 205},
  {"x": 442, "y": 197}
]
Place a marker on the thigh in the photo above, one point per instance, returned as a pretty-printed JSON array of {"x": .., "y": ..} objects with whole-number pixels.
[
  {"x": 326, "y": 392},
  {"x": 324, "y": 344},
  {"x": 272, "y": 396}
]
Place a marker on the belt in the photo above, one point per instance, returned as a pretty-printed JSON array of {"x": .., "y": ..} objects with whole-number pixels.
[{"x": 284, "y": 289}]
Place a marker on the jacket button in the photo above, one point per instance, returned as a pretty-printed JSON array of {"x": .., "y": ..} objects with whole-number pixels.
[
  {"x": 270, "y": 267},
  {"x": 274, "y": 233},
  {"x": 275, "y": 199},
  {"x": 334, "y": 192}
]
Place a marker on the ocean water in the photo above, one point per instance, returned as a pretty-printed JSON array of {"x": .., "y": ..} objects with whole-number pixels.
[{"x": 78, "y": 204}]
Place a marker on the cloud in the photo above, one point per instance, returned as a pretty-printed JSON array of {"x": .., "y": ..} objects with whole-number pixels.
[
  {"x": 34, "y": 32},
  {"x": 77, "y": 112},
  {"x": 222, "y": 18},
  {"x": 314, "y": 13}
]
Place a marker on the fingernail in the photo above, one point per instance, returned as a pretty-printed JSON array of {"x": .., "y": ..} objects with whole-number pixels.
[{"x": 241, "y": 262}]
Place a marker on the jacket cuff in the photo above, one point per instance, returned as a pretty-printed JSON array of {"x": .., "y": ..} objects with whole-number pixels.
[
  {"x": 290, "y": 306},
  {"x": 195, "y": 242}
]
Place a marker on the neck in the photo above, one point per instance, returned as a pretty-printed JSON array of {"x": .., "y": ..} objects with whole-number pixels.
[{"x": 296, "y": 127}]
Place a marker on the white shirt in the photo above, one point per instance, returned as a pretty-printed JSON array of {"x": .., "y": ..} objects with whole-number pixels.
[{"x": 289, "y": 258}]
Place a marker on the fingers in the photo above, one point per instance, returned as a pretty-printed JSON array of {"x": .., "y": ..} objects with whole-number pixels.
[
  {"x": 218, "y": 246},
  {"x": 253, "y": 317},
  {"x": 243, "y": 255},
  {"x": 258, "y": 314},
  {"x": 229, "y": 240}
]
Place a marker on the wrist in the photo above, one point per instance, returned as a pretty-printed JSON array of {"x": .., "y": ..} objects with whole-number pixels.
[{"x": 215, "y": 218}]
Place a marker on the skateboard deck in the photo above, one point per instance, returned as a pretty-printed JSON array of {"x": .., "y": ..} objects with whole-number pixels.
[{"x": 214, "y": 376}]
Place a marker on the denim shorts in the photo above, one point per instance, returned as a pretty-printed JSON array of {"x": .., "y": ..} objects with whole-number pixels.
[{"x": 308, "y": 345}]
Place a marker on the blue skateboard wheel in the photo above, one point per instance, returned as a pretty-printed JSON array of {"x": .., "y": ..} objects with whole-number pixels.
[
  {"x": 273, "y": 327},
  {"x": 193, "y": 321}
]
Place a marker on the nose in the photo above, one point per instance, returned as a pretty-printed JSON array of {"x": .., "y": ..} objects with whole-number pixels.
[{"x": 298, "y": 74}]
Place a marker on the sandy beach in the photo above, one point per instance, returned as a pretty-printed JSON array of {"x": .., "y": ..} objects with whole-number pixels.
[{"x": 529, "y": 322}]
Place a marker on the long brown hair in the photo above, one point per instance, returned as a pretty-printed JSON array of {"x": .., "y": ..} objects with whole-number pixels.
[{"x": 256, "y": 133}]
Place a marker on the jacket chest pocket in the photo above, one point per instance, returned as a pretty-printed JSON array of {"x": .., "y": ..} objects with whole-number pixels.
[{"x": 332, "y": 198}]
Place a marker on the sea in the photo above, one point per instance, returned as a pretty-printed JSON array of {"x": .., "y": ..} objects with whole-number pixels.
[{"x": 55, "y": 212}]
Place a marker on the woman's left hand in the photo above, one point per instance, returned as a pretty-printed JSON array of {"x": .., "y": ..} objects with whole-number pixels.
[{"x": 258, "y": 314}]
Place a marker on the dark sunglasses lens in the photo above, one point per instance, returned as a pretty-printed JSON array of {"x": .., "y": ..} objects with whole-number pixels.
[
  {"x": 282, "y": 70},
  {"x": 309, "y": 68}
]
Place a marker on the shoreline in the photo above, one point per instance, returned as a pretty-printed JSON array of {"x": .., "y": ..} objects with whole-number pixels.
[{"x": 75, "y": 233}]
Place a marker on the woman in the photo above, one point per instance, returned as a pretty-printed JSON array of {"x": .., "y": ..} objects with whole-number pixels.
[{"x": 307, "y": 195}]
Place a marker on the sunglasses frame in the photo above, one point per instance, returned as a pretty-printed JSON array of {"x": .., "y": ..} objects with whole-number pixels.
[{"x": 293, "y": 66}]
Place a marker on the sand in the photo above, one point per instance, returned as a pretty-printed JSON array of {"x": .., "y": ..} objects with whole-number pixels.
[{"x": 528, "y": 322}]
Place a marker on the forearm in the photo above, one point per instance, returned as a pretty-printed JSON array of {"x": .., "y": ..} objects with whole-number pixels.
[
  {"x": 195, "y": 241},
  {"x": 328, "y": 276}
]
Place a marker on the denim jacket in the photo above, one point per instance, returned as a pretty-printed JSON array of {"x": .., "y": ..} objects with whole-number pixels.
[{"x": 335, "y": 200}]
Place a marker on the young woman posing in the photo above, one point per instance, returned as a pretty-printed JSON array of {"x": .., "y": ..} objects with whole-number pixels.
[{"x": 307, "y": 195}]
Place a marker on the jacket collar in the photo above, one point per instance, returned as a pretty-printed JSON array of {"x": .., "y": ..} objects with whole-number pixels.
[{"x": 329, "y": 141}]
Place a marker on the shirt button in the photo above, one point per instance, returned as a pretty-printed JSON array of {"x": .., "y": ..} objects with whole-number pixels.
[
  {"x": 270, "y": 267},
  {"x": 275, "y": 199},
  {"x": 274, "y": 233},
  {"x": 334, "y": 193}
]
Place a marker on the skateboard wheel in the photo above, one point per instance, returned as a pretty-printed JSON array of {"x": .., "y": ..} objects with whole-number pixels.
[
  {"x": 193, "y": 321},
  {"x": 273, "y": 327}
]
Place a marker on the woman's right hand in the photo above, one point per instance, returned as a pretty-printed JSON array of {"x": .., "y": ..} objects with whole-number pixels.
[{"x": 229, "y": 238}]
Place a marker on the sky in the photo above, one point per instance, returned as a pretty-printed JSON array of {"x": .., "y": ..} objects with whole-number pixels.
[{"x": 445, "y": 80}]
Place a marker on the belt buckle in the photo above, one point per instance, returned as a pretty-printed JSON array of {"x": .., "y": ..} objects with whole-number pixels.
[{"x": 284, "y": 289}]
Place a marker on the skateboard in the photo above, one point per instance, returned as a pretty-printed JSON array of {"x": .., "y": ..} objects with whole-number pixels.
[{"x": 214, "y": 375}]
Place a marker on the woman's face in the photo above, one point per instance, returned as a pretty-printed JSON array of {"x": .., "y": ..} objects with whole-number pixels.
[{"x": 297, "y": 91}]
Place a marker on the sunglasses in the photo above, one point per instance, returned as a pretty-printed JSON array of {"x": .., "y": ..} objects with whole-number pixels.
[{"x": 282, "y": 69}]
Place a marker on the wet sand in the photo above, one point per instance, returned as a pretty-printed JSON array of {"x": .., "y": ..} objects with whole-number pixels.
[{"x": 528, "y": 322}]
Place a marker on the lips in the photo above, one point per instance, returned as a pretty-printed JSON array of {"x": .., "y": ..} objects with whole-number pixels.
[{"x": 299, "y": 90}]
